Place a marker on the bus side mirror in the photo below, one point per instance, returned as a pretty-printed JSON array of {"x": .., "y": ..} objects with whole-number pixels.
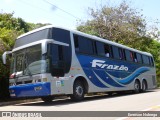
[
  {"x": 5, "y": 55},
  {"x": 58, "y": 69}
]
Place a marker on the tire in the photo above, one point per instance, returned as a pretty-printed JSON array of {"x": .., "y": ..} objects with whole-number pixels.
[
  {"x": 144, "y": 86},
  {"x": 78, "y": 91},
  {"x": 136, "y": 87},
  {"x": 47, "y": 98}
]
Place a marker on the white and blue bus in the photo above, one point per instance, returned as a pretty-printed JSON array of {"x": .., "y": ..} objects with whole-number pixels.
[{"x": 52, "y": 61}]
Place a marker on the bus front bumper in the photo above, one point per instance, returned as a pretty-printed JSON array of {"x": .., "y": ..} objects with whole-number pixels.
[{"x": 30, "y": 90}]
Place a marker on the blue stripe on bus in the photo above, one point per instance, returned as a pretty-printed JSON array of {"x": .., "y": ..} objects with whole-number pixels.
[
  {"x": 106, "y": 78},
  {"x": 94, "y": 79},
  {"x": 28, "y": 90},
  {"x": 130, "y": 78}
]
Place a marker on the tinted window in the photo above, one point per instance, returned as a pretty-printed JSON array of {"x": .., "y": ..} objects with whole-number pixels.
[
  {"x": 100, "y": 49},
  {"x": 129, "y": 55},
  {"x": 121, "y": 54},
  {"x": 115, "y": 52},
  {"x": 108, "y": 50},
  {"x": 139, "y": 58},
  {"x": 36, "y": 36},
  {"x": 61, "y": 35},
  {"x": 145, "y": 59},
  {"x": 151, "y": 61},
  {"x": 135, "y": 57},
  {"x": 83, "y": 45},
  {"x": 57, "y": 53},
  {"x": 76, "y": 44}
]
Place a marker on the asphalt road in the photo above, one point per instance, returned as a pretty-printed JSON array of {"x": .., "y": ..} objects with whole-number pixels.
[{"x": 149, "y": 101}]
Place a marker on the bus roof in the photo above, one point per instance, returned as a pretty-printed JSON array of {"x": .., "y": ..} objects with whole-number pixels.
[{"x": 86, "y": 35}]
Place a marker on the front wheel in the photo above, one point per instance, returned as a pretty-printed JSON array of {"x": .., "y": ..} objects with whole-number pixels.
[{"x": 78, "y": 91}]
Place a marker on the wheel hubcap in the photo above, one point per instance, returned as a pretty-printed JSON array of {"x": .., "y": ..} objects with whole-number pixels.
[
  {"x": 79, "y": 91},
  {"x": 136, "y": 86}
]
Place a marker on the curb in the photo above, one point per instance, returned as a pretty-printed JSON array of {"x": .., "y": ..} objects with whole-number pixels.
[{"x": 13, "y": 102}]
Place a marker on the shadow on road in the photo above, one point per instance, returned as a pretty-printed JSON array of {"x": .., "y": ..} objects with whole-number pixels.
[{"x": 67, "y": 100}]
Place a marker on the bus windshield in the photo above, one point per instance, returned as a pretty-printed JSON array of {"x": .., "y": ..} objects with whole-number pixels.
[{"x": 28, "y": 61}]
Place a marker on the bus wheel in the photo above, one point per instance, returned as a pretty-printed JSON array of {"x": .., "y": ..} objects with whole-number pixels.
[
  {"x": 47, "y": 98},
  {"x": 78, "y": 91},
  {"x": 136, "y": 87},
  {"x": 144, "y": 86}
]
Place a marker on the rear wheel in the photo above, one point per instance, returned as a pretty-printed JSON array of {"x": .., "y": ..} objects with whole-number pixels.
[
  {"x": 47, "y": 98},
  {"x": 78, "y": 91},
  {"x": 144, "y": 86},
  {"x": 136, "y": 87}
]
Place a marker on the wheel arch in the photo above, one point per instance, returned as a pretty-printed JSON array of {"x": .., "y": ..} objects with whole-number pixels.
[{"x": 83, "y": 80}]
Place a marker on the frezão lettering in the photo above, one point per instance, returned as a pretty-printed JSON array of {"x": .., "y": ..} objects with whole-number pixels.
[{"x": 101, "y": 64}]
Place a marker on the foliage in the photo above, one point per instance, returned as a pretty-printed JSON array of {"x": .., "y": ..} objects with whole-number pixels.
[
  {"x": 124, "y": 25},
  {"x": 9, "y": 22},
  {"x": 119, "y": 24},
  {"x": 37, "y": 25}
]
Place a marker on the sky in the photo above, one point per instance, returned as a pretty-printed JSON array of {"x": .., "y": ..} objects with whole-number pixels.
[{"x": 69, "y": 13}]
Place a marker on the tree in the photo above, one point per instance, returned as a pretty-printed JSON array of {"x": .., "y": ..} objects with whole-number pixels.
[
  {"x": 124, "y": 25},
  {"x": 37, "y": 25},
  {"x": 120, "y": 24},
  {"x": 9, "y": 22}
]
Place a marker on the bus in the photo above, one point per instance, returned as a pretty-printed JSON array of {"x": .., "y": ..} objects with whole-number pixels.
[{"x": 55, "y": 61}]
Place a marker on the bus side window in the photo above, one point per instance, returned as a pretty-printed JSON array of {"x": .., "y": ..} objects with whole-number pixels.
[
  {"x": 83, "y": 45},
  {"x": 100, "y": 48},
  {"x": 76, "y": 44},
  {"x": 139, "y": 58},
  {"x": 57, "y": 53},
  {"x": 121, "y": 54},
  {"x": 135, "y": 57},
  {"x": 108, "y": 50},
  {"x": 151, "y": 61},
  {"x": 129, "y": 55},
  {"x": 145, "y": 59},
  {"x": 115, "y": 52}
]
